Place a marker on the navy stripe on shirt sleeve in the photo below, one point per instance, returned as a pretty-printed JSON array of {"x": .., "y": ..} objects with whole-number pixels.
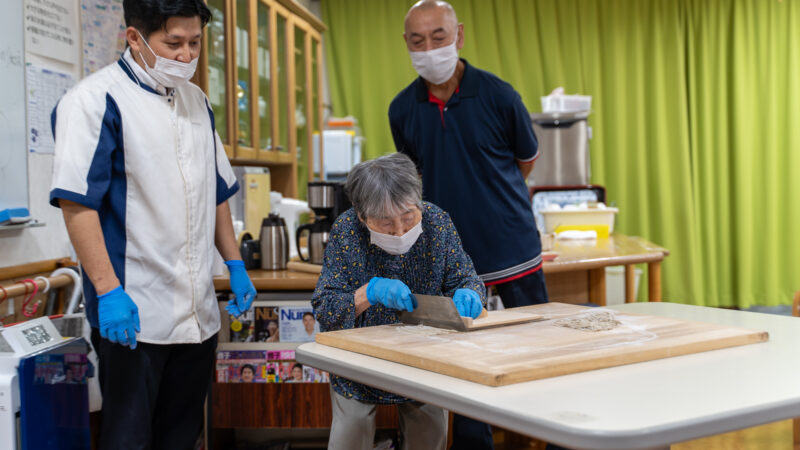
[
  {"x": 99, "y": 177},
  {"x": 223, "y": 191}
]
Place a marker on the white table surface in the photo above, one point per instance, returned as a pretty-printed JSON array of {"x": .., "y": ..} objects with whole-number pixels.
[{"x": 643, "y": 405}]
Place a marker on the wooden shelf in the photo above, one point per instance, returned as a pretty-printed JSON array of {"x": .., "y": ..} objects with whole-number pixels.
[
  {"x": 265, "y": 158},
  {"x": 245, "y": 346},
  {"x": 280, "y": 405},
  {"x": 274, "y": 280}
]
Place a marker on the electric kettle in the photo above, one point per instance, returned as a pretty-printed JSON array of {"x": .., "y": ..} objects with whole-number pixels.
[
  {"x": 274, "y": 243},
  {"x": 318, "y": 233}
]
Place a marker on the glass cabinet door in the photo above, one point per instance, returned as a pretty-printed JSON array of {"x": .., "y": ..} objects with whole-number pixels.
[
  {"x": 263, "y": 79},
  {"x": 300, "y": 117},
  {"x": 282, "y": 102},
  {"x": 242, "y": 89},
  {"x": 263, "y": 63},
  {"x": 315, "y": 108},
  {"x": 217, "y": 73}
]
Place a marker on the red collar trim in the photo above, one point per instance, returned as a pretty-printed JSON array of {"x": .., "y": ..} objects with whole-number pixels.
[
  {"x": 433, "y": 99},
  {"x": 436, "y": 101}
]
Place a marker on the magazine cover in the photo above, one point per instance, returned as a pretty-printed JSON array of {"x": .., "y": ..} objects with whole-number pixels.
[
  {"x": 292, "y": 372},
  {"x": 266, "y": 324},
  {"x": 280, "y": 355},
  {"x": 242, "y": 328},
  {"x": 49, "y": 369},
  {"x": 76, "y": 368},
  {"x": 297, "y": 324},
  {"x": 246, "y": 366},
  {"x": 312, "y": 375},
  {"x": 273, "y": 375},
  {"x": 260, "y": 324}
]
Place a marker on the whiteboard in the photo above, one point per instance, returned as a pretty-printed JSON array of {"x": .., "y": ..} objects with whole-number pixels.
[{"x": 13, "y": 147}]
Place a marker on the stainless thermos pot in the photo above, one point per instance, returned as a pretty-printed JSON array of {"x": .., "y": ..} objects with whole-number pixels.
[{"x": 274, "y": 242}]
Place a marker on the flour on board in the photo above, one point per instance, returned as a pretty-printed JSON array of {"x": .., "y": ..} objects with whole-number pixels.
[
  {"x": 423, "y": 330},
  {"x": 596, "y": 321}
]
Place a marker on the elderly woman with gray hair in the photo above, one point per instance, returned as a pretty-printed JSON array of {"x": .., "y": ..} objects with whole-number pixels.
[{"x": 390, "y": 245}]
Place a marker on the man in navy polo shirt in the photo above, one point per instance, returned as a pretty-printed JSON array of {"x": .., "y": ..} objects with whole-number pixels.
[{"x": 472, "y": 141}]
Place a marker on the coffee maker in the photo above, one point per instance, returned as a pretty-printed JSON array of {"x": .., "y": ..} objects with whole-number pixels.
[{"x": 328, "y": 200}]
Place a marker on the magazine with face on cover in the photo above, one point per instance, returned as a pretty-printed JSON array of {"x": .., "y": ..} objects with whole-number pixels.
[
  {"x": 266, "y": 324},
  {"x": 297, "y": 324},
  {"x": 259, "y": 324},
  {"x": 241, "y": 366}
]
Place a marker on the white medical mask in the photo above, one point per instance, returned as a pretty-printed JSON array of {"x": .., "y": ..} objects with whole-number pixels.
[
  {"x": 396, "y": 245},
  {"x": 437, "y": 65},
  {"x": 169, "y": 72}
]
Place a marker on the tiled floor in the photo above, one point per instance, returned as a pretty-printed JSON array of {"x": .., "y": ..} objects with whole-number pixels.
[{"x": 774, "y": 436}]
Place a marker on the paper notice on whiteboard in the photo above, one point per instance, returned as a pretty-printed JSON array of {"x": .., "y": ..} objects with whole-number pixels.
[
  {"x": 103, "y": 25},
  {"x": 51, "y": 29},
  {"x": 44, "y": 87}
]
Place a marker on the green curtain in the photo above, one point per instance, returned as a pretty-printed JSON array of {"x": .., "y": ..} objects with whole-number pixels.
[{"x": 695, "y": 117}]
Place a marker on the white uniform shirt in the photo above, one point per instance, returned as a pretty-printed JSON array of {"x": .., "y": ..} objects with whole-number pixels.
[{"x": 154, "y": 168}]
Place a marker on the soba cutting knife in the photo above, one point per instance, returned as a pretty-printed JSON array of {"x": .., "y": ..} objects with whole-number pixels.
[{"x": 434, "y": 311}]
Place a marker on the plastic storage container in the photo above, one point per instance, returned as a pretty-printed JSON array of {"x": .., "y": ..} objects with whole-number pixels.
[
  {"x": 590, "y": 216},
  {"x": 566, "y": 103}
]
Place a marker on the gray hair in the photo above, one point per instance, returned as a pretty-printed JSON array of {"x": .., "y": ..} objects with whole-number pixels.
[{"x": 384, "y": 186}]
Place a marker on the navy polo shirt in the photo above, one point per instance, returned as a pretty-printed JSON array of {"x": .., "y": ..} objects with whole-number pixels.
[{"x": 467, "y": 152}]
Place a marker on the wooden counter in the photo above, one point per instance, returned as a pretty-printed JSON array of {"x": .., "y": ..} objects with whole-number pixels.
[
  {"x": 576, "y": 275},
  {"x": 578, "y": 272},
  {"x": 616, "y": 250},
  {"x": 274, "y": 280}
]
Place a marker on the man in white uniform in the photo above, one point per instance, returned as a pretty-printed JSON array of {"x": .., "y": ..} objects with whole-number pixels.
[{"x": 143, "y": 182}]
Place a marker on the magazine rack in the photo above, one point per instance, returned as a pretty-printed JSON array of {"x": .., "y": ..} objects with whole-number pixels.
[{"x": 260, "y": 404}]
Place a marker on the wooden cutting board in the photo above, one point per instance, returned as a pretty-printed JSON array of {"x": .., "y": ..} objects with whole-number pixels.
[
  {"x": 541, "y": 349},
  {"x": 304, "y": 267}
]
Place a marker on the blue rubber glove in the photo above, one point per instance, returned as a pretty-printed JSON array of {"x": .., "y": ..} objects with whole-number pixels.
[
  {"x": 391, "y": 294},
  {"x": 242, "y": 288},
  {"x": 118, "y": 317},
  {"x": 468, "y": 303}
]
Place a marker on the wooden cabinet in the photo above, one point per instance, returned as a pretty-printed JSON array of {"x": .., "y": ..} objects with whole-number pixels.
[
  {"x": 265, "y": 405},
  {"x": 261, "y": 69}
]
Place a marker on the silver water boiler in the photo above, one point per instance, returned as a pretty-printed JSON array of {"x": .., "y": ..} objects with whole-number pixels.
[{"x": 563, "y": 149}]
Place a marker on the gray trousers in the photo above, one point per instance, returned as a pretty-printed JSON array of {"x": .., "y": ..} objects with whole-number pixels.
[{"x": 353, "y": 428}]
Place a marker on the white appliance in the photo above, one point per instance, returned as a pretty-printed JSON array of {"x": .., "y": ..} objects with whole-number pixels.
[
  {"x": 290, "y": 209},
  {"x": 341, "y": 151}
]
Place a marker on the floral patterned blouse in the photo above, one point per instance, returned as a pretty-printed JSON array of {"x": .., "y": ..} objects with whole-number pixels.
[{"x": 435, "y": 265}]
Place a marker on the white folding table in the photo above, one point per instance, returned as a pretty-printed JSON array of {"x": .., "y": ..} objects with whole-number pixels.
[{"x": 642, "y": 405}]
